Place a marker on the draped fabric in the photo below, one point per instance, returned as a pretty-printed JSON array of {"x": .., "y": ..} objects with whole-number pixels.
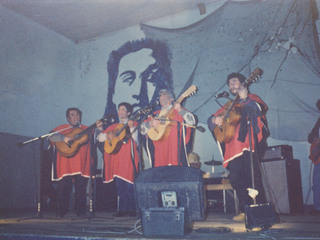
[{"x": 277, "y": 36}]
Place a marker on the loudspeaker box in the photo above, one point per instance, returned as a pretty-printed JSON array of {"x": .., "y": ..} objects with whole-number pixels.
[
  {"x": 260, "y": 216},
  {"x": 282, "y": 185},
  {"x": 186, "y": 182},
  {"x": 164, "y": 222}
]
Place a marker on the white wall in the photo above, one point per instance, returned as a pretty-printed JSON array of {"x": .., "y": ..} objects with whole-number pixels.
[{"x": 37, "y": 76}]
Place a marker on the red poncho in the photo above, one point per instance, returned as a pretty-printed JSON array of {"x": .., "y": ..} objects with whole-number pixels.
[
  {"x": 77, "y": 164},
  {"x": 235, "y": 148},
  {"x": 166, "y": 150},
  {"x": 120, "y": 164}
]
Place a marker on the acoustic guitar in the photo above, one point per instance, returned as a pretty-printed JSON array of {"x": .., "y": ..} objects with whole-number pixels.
[
  {"x": 114, "y": 145},
  {"x": 162, "y": 131},
  {"x": 232, "y": 113},
  {"x": 122, "y": 131},
  {"x": 315, "y": 152},
  {"x": 79, "y": 137}
]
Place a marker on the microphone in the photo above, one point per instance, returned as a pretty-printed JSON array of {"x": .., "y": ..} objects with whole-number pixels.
[
  {"x": 223, "y": 94},
  {"x": 109, "y": 118}
]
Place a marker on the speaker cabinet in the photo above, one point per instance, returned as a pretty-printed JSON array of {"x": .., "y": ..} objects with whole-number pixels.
[
  {"x": 282, "y": 184},
  {"x": 186, "y": 182},
  {"x": 164, "y": 222},
  {"x": 260, "y": 215},
  {"x": 278, "y": 152}
]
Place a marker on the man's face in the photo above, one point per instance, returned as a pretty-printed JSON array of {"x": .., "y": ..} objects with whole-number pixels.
[
  {"x": 127, "y": 87},
  {"x": 74, "y": 117},
  {"x": 234, "y": 86},
  {"x": 165, "y": 99},
  {"x": 123, "y": 113}
]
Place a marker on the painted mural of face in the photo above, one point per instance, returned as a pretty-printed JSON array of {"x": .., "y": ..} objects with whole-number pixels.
[{"x": 129, "y": 80}]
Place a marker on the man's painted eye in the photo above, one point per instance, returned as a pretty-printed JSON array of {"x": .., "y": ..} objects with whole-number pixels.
[{"x": 128, "y": 77}]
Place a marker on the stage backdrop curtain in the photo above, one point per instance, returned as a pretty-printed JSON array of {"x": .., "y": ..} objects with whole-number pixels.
[{"x": 279, "y": 37}]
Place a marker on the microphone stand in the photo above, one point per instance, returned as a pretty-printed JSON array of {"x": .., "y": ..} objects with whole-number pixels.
[
  {"x": 41, "y": 137},
  {"x": 92, "y": 180},
  {"x": 251, "y": 160},
  {"x": 252, "y": 133},
  {"x": 179, "y": 145},
  {"x": 21, "y": 144}
]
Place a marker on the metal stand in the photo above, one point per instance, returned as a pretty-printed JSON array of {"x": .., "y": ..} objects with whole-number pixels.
[
  {"x": 39, "y": 213},
  {"x": 179, "y": 145},
  {"x": 251, "y": 160},
  {"x": 92, "y": 179}
]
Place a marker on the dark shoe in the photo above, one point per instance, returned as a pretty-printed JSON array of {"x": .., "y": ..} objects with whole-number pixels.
[
  {"x": 132, "y": 214},
  {"x": 314, "y": 212},
  {"x": 119, "y": 214}
]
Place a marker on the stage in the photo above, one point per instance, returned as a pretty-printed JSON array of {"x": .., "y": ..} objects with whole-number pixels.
[{"x": 25, "y": 225}]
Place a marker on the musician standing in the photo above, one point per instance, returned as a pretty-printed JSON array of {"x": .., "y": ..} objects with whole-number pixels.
[
  {"x": 237, "y": 151},
  {"x": 314, "y": 138},
  {"x": 71, "y": 170},
  {"x": 171, "y": 149},
  {"x": 122, "y": 165}
]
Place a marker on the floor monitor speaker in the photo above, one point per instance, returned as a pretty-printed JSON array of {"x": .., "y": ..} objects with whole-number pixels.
[
  {"x": 260, "y": 216},
  {"x": 152, "y": 185}
]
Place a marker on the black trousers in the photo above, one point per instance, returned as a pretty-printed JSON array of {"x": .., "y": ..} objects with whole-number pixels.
[
  {"x": 241, "y": 179},
  {"x": 63, "y": 194}
]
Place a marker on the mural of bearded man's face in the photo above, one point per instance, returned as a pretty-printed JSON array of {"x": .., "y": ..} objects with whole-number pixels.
[{"x": 129, "y": 80}]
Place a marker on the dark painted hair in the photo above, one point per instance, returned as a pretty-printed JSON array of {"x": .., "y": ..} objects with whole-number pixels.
[{"x": 160, "y": 70}]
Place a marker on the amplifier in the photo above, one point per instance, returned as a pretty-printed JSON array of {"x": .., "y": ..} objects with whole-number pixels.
[
  {"x": 278, "y": 152},
  {"x": 164, "y": 222},
  {"x": 260, "y": 216}
]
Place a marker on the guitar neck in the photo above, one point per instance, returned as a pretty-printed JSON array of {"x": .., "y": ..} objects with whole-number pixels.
[
  {"x": 251, "y": 79},
  {"x": 180, "y": 99},
  {"x": 87, "y": 130}
]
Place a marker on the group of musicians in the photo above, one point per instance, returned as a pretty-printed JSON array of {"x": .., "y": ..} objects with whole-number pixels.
[{"x": 239, "y": 127}]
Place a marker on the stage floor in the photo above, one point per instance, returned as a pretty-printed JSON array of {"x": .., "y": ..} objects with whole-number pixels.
[{"x": 102, "y": 225}]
